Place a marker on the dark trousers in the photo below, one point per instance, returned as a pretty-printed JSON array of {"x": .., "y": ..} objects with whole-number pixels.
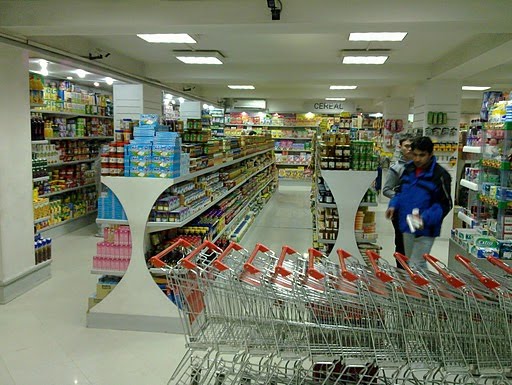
[{"x": 399, "y": 239}]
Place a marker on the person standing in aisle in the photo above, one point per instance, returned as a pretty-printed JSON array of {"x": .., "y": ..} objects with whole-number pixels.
[
  {"x": 422, "y": 201},
  {"x": 393, "y": 183}
]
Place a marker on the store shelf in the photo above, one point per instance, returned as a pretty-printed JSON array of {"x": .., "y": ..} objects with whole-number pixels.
[
  {"x": 466, "y": 218},
  {"x": 269, "y": 126},
  {"x": 115, "y": 273},
  {"x": 77, "y": 114},
  {"x": 112, "y": 221},
  {"x": 293, "y": 164},
  {"x": 67, "y": 221},
  {"x": 290, "y": 150},
  {"x": 326, "y": 205},
  {"x": 472, "y": 149},
  {"x": 39, "y": 220},
  {"x": 495, "y": 202},
  {"x": 39, "y": 142},
  {"x": 242, "y": 212},
  {"x": 82, "y": 138},
  {"x": 67, "y": 190},
  {"x": 158, "y": 226},
  {"x": 71, "y": 163},
  {"x": 497, "y": 164},
  {"x": 326, "y": 241},
  {"x": 41, "y": 179},
  {"x": 292, "y": 138},
  {"x": 470, "y": 185}
]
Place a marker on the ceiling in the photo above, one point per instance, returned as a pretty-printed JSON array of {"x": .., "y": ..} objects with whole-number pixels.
[{"x": 296, "y": 58}]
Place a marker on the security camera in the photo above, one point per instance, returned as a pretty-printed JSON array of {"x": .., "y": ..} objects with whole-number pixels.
[
  {"x": 276, "y": 6},
  {"x": 107, "y": 54},
  {"x": 188, "y": 88}
]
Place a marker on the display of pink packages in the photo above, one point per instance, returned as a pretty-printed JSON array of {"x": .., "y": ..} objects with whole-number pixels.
[{"x": 114, "y": 252}]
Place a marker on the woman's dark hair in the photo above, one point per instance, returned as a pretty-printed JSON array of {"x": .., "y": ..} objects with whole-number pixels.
[
  {"x": 423, "y": 143},
  {"x": 405, "y": 137}
]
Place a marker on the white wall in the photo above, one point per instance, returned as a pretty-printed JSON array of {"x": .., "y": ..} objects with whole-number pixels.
[{"x": 16, "y": 212}]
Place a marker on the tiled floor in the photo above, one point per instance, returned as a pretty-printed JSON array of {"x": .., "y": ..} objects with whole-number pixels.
[{"x": 43, "y": 340}]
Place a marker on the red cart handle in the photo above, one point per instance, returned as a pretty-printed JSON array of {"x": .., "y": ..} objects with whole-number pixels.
[
  {"x": 415, "y": 277},
  {"x": 312, "y": 271},
  {"x": 157, "y": 262},
  {"x": 279, "y": 269},
  {"x": 248, "y": 266},
  {"x": 217, "y": 262},
  {"x": 488, "y": 282},
  {"x": 187, "y": 261},
  {"x": 374, "y": 257},
  {"x": 499, "y": 263},
  {"x": 450, "y": 278},
  {"x": 349, "y": 276}
]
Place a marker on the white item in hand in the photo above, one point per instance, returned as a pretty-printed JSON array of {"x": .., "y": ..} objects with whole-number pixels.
[{"x": 414, "y": 220}]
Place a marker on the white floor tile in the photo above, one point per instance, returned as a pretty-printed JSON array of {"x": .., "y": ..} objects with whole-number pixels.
[
  {"x": 55, "y": 374},
  {"x": 5, "y": 376}
]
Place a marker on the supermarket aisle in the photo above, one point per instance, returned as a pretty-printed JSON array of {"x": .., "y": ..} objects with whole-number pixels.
[{"x": 285, "y": 220}]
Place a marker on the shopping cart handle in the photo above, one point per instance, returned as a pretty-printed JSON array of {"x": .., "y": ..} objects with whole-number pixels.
[
  {"x": 485, "y": 280},
  {"x": 349, "y": 276},
  {"x": 374, "y": 257},
  {"x": 416, "y": 278},
  {"x": 499, "y": 263},
  {"x": 279, "y": 269},
  {"x": 156, "y": 259},
  {"x": 248, "y": 266},
  {"x": 450, "y": 278},
  {"x": 217, "y": 262},
  {"x": 311, "y": 271},
  {"x": 187, "y": 261}
]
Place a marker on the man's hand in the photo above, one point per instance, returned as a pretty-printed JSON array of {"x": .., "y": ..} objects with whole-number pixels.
[{"x": 390, "y": 212}]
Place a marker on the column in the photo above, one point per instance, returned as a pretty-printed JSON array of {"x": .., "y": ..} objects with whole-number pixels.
[
  {"x": 440, "y": 96},
  {"x": 131, "y": 100},
  {"x": 395, "y": 109},
  {"x": 18, "y": 272}
]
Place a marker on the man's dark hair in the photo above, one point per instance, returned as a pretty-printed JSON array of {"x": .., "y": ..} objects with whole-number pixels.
[
  {"x": 405, "y": 137},
  {"x": 423, "y": 143}
]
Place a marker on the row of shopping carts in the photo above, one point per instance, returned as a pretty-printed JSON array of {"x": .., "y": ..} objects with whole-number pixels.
[{"x": 261, "y": 318}]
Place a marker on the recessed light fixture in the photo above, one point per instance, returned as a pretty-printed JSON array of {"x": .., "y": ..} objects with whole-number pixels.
[
  {"x": 377, "y": 36},
  {"x": 474, "y": 88},
  {"x": 81, "y": 73},
  {"x": 109, "y": 80},
  {"x": 96, "y": 84},
  {"x": 248, "y": 87},
  {"x": 69, "y": 77},
  {"x": 199, "y": 57},
  {"x": 177, "y": 38},
  {"x": 342, "y": 87},
  {"x": 173, "y": 101},
  {"x": 340, "y": 99},
  {"x": 364, "y": 59}
]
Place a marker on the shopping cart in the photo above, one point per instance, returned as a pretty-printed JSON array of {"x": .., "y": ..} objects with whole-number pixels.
[{"x": 303, "y": 319}]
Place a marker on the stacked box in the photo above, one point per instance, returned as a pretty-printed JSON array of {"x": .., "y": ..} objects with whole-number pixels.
[
  {"x": 166, "y": 157},
  {"x": 109, "y": 206}
]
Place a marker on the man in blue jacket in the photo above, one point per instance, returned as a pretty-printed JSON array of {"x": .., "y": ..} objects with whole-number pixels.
[{"x": 425, "y": 186}]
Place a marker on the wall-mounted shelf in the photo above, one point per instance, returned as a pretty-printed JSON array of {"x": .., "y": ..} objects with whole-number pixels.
[
  {"x": 82, "y": 138},
  {"x": 68, "y": 113},
  {"x": 67, "y": 190},
  {"x": 41, "y": 179},
  {"x": 470, "y": 185}
]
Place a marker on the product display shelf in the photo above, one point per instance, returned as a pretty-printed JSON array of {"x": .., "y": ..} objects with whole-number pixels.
[
  {"x": 67, "y": 190},
  {"x": 292, "y": 138},
  {"x": 81, "y": 138},
  {"x": 269, "y": 126},
  {"x": 71, "y": 162},
  {"x": 41, "y": 179},
  {"x": 292, "y": 164},
  {"x": 481, "y": 263},
  {"x": 137, "y": 303},
  {"x": 290, "y": 150},
  {"x": 67, "y": 221},
  {"x": 327, "y": 242},
  {"x": 114, "y": 273},
  {"x": 68, "y": 113},
  {"x": 468, "y": 184},
  {"x": 496, "y": 164},
  {"x": 348, "y": 189},
  {"x": 39, "y": 220},
  {"x": 39, "y": 142},
  {"x": 470, "y": 221},
  {"x": 159, "y": 226}
]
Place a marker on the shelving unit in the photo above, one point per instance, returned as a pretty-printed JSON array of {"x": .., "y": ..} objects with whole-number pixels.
[
  {"x": 67, "y": 190},
  {"x": 59, "y": 164},
  {"x": 82, "y": 138},
  {"x": 137, "y": 303},
  {"x": 69, "y": 114}
]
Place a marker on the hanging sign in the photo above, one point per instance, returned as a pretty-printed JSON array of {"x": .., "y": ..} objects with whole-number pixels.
[{"x": 328, "y": 106}]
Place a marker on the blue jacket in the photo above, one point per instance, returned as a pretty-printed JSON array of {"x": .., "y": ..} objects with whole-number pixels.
[{"x": 429, "y": 192}]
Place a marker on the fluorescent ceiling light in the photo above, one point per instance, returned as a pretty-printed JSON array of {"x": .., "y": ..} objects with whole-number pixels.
[
  {"x": 364, "y": 59},
  {"x": 44, "y": 71},
  {"x": 81, "y": 73},
  {"x": 242, "y": 87},
  {"x": 178, "y": 38},
  {"x": 109, "y": 80},
  {"x": 342, "y": 99},
  {"x": 70, "y": 78},
  {"x": 96, "y": 84},
  {"x": 342, "y": 87},
  {"x": 376, "y": 115},
  {"x": 474, "y": 88},
  {"x": 377, "y": 36},
  {"x": 199, "y": 57}
]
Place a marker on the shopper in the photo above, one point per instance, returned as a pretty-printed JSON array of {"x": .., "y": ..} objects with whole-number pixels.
[
  {"x": 425, "y": 186},
  {"x": 393, "y": 183}
]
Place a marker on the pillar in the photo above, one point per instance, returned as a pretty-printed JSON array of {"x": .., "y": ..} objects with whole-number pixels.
[
  {"x": 395, "y": 108},
  {"x": 18, "y": 272}
]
